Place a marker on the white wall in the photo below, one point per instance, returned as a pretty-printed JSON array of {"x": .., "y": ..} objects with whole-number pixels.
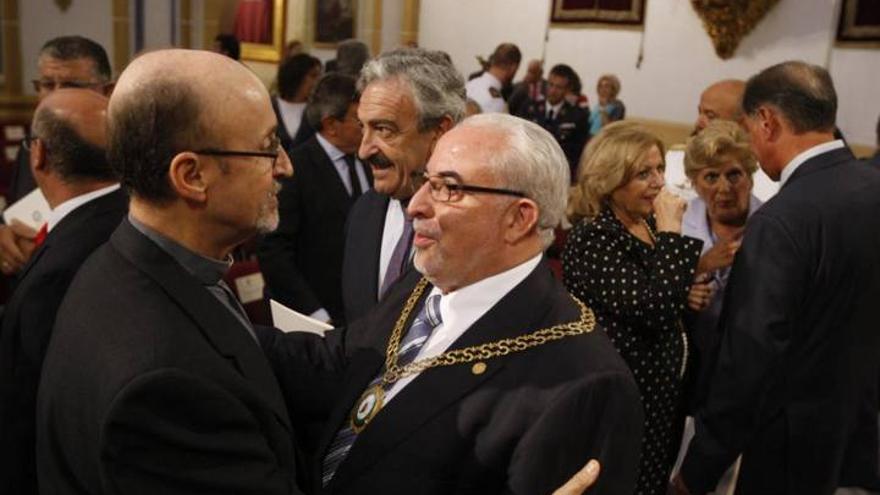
[
  {"x": 392, "y": 19},
  {"x": 679, "y": 60},
  {"x": 42, "y": 20},
  {"x": 157, "y": 24}
]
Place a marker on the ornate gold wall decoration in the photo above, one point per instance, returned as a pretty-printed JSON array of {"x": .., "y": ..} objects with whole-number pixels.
[{"x": 728, "y": 21}]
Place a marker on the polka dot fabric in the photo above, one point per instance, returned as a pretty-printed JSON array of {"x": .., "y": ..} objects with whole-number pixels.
[{"x": 638, "y": 294}]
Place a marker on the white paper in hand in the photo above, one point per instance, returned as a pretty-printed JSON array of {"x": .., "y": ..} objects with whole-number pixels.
[
  {"x": 31, "y": 210},
  {"x": 288, "y": 320}
]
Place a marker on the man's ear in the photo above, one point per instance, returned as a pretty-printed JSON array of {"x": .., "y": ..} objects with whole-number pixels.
[
  {"x": 328, "y": 125},
  {"x": 442, "y": 128},
  {"x": 769, "y": 123},
  {"x": 38, "y": 156},
  {"x": 521, "y": 220},
  {"x": 187, "y": 177}
]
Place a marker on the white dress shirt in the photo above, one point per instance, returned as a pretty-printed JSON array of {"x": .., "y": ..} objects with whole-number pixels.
[
  {"x": 64, "y": 209},
  {"x": 291, "y": 114},
  {"x": 393, "y": 229},
  {"x": 799, "y": 160},
  {"x": 462, "y": 308},
  {"x": 337, "y": 156},
  {"x": 553, "y": 108}
]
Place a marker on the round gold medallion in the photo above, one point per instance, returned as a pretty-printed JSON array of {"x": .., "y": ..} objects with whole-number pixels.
[
  {"x": 367, "y": 407},
  {"x": 478, "y": 368}
]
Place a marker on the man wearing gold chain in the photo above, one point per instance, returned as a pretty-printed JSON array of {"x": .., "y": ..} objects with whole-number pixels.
[{"x": 492, "y": 379}]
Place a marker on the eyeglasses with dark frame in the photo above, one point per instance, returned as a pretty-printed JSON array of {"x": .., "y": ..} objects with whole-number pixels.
[
  {"x": 449, "y": 189},
  {"x": 276, "y": 145}
]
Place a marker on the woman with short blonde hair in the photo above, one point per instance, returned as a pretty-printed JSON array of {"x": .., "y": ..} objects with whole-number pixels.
[
  {"x": 720, "y": 163},
  {"x": 626, "y": 258}
]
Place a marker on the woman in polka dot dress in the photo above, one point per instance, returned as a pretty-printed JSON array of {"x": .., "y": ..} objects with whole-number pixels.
[{"x": 626, "y": 259}]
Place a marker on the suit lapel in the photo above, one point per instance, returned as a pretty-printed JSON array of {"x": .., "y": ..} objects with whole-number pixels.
[
  {"x": 438, "y": 388},
  {"x": 72, "y": 222},
  {"x": 217, "y": 324},
  {"x": 372, "y": 236},
  {"x": 328, "y": 177}
]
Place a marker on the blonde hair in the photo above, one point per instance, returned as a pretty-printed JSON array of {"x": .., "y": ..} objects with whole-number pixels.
[
  {"x": 609, "y": 161},
  {"x": 615, "y": 83},
  {"x": 718, "y": 143}
]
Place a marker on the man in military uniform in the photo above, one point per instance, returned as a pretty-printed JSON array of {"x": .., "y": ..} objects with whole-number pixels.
[
  {"x": 487, "y": 88},
  {"x": 569, "y": 124}
]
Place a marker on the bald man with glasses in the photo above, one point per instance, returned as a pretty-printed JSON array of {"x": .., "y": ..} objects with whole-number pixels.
[{"x": 71, "y": 62}]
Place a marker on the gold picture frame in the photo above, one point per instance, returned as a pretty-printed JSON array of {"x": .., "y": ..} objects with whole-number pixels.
[
  {"x": 345, "y": 20},
  {"x": 265, "y": 52}
]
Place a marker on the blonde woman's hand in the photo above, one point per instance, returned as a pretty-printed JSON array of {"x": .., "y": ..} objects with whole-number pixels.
[
  {"x": 700, "y": 295},
  {"x": 668, "y": 211}
]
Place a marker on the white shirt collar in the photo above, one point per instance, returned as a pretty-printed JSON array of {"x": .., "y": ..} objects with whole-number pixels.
[
  {"x": 64, "y": 209},
  {"x": 332, "y": 151},
  {"x": 460, "y": 309},
  {"x": 799, "y": 160},
  {"x": 555, "y": 108}
]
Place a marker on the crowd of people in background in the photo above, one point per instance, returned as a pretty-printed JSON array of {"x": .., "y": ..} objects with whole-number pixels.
[{"x": 515, "y": 287}]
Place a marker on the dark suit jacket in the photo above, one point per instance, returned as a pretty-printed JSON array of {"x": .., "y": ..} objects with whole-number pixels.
[
  {"x": 525, "y": 425},
  {"x": 302, "y": 260},
  {"x": 571, "y": 128},
  {"x": 519, "y": 101},
  {"x": 27, "y": 326},
  {"x": 795, "y": 385},
  {"x": 360, "y": 263},
  {"x": 151, "y": 385}
]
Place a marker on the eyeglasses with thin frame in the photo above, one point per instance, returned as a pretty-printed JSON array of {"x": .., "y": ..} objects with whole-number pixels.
[
  {"x": 449, "y": 188},
  {"x": 276, "y": 145},
  {"x": 49, "y": 85}
]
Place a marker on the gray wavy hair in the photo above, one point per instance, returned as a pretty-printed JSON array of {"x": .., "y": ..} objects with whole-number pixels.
[
  {"x": 437, "y": 87},
  {"x": 530, "y": 161}
]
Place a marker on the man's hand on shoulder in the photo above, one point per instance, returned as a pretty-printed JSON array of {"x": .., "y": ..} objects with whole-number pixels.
[{"x": 581, "y": 481}]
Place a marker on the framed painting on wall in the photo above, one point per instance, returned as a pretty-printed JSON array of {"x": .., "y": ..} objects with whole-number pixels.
[
  {"x": 334, "y": 21},
  {"x": 859, "y": 23},
  {"x": 259, "y": 26},
  {"x": 623, "y": 12}
]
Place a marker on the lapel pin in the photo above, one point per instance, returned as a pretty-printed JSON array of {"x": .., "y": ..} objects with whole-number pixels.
[{"x": 478, "y": 368}]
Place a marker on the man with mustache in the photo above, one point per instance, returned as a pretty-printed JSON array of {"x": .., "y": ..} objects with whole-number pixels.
[
  {"x": 409, "y": 98},
  {"x": 154, "y": 381},
  {"x": 478, "y": 372}
]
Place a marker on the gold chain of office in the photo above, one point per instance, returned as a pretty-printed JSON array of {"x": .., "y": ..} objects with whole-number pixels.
[{"x": 585, "y": 324}]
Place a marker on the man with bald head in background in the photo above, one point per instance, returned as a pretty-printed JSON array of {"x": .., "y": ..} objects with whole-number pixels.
[
  {"x": 68, "y": 161},
  {"x": 154, "y": 381},
  {"x": 794, "y": 388},
  {"x": 721, "y": 100},
  {"x": 64, "y": 62}
]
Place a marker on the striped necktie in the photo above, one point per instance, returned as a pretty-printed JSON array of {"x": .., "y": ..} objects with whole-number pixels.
[{"x": 419, "y": 333}]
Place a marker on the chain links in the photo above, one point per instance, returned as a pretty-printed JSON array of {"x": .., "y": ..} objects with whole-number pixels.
[{"x": 585, "y": 324}]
